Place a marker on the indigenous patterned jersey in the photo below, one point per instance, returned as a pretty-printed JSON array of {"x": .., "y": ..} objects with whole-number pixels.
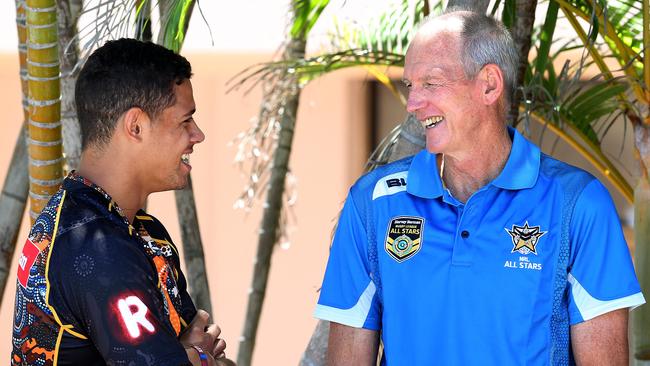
[
  {"x": 94, "y": 290},
  {"x": 497, "y": 280}
]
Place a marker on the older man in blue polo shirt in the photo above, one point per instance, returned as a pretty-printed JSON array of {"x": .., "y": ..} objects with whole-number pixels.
[{"x": 479, "y": 250}]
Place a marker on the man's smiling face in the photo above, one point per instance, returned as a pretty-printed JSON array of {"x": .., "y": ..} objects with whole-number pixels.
[{"x": 440, "y": 95}]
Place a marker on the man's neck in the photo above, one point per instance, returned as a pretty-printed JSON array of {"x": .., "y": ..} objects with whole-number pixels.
[
  {"x": 115, "y": 179},
  {"x": 465, "y": 174}
]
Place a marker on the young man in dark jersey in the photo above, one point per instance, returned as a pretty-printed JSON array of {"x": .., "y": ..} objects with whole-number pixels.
[{"x": 99, "y": 280}]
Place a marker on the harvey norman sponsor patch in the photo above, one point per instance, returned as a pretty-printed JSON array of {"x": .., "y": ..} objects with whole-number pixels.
[{"x": 404, "y": 237}]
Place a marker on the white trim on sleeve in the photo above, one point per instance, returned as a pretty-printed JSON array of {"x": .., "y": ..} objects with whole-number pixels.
[
  {"x": 383, "y": 189},
  {"x": 354, "y": 316},
  {"x": 591, "y": 307}
]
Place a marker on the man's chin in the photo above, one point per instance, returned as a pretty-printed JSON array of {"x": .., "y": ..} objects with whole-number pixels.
[
  {"x": 182, "y": 185},
  {"x": 176, "y": 184}
]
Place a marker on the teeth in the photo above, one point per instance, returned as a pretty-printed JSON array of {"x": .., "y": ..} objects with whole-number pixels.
[
  {"x": 431, "y": 122},
  {"x": 185, "y": 158}
]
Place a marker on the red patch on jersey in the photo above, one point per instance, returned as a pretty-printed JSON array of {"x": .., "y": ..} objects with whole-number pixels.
[{"x": 26, "y": 261}]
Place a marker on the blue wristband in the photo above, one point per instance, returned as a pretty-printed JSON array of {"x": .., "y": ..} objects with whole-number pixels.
[{"x": 202, "y": 356}]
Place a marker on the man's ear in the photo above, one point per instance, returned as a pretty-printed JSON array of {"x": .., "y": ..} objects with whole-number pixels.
[
  {"x": 133, "y": 123},
  {"x": 492, "y": 84}
]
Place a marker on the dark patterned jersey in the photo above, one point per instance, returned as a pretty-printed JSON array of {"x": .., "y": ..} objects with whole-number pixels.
[{"x": 94, "y": 289}]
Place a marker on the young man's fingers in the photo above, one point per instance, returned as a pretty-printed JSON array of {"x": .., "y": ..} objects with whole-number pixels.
[
  {"x": 213, "y": 330},
  {"x": 200, "y": 319},
  {"x": 219, "y": 348}
]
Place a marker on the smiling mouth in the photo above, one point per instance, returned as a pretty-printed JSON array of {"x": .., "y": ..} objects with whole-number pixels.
[
  {"x": 431, "y": 122},
  {"x": 185, "y": 158}
]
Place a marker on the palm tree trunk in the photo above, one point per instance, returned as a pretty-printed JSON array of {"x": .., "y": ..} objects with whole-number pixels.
[
  {"x": 16, "y": 184},
  {"x": 68, "y": 12},
  {"x": 193, "y": 255},
  {"x": 185, "y": 204},
  {"x": 409, "y": 142},
  {"x": 316, "y": 352},
  {"x": 521, "y": 32},
  {"x": 273, "y": 205},
  {"x": 21, "y": 26},
  {"x": 641, "y": 315},
  {"x": 44, "y": 141},
  {"x": 12, "y": 206}
]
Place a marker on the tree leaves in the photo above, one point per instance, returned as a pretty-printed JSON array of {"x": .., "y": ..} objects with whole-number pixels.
[{"x": 307, "y": 13}]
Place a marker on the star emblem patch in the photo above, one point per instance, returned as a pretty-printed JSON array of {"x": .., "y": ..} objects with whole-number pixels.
[{"x": 525, "y": 238}]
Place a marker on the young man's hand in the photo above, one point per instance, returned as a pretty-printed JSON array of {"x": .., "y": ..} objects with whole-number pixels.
[{"x": 205, "y": 336}]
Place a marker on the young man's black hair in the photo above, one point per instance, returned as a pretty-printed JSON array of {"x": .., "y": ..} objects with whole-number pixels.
[{"x": 123, "y": 74}]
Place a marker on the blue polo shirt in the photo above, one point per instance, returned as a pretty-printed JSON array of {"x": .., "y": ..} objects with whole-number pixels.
[{"x": 495, "y": 281}]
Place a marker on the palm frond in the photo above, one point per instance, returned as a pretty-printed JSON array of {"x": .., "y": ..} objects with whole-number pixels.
[
  {"x": 113, "y": 19},
  {"x": 592, "y": 104},
  {"x": 307, "y": 12},
  {"x": 174, "y": 23},
  {"x": 624, "y": 42},
  {"x": 546, "y": 37},
  {"x": 313, "y": 67},
  {"x": 389, "y": 32}
]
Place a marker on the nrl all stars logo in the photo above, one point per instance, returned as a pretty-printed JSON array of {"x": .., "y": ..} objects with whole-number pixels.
[
  {"x": 524, "y": 241},
  {"x": 525, "y": 238}
]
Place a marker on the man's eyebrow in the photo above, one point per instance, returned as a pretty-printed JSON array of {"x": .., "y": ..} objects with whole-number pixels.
[
  {"x": 434, "y": 74},
  {"x": 427, "y": 76},
  {"x": 189, "y": 113}
]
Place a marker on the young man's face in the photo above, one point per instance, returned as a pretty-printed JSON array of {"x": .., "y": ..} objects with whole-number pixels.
[{"x": 172, "y": 137}]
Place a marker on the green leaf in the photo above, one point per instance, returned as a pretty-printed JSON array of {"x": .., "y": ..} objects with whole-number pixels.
[
  {"x": 595, "y": 96},
  {"x": 591, "y": 104},
  {"x": 593, "y": 34},
  {"x": 546, "y": 37},
  {"x": 314, "y": 67},
  {"x": 307, "y": 13},
  {"x": 175, "y": 23},
  {"x": 390, "y": 32},
  {"x": 509, "y": 13}
]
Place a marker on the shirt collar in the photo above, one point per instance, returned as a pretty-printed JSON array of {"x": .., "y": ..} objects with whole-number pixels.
[
  {"x": 423, "y": 179},
  {"x": 522, "y": 168},
  {"x": 74, "y": 181},
  {"x": 520, "y": 172}
]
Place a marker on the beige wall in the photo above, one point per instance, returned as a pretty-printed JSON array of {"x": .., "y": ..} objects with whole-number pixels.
[{"x": 328, "y": 155}]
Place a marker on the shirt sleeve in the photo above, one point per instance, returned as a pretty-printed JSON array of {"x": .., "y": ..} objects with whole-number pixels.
[
  {"x": 348, "y": 295},
  {"x": 601, "y": 275},
  {"x": 188, "y": 308},
  {"x": 106, "y": 289}
]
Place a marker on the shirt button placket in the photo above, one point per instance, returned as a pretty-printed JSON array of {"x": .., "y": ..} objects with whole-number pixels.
[{"x": 462, "y": 249}]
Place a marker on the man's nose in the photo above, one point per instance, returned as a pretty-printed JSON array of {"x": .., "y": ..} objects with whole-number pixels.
[
  {"x": 414, "y": 102},
  {"x": 197, "y": 135}
]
